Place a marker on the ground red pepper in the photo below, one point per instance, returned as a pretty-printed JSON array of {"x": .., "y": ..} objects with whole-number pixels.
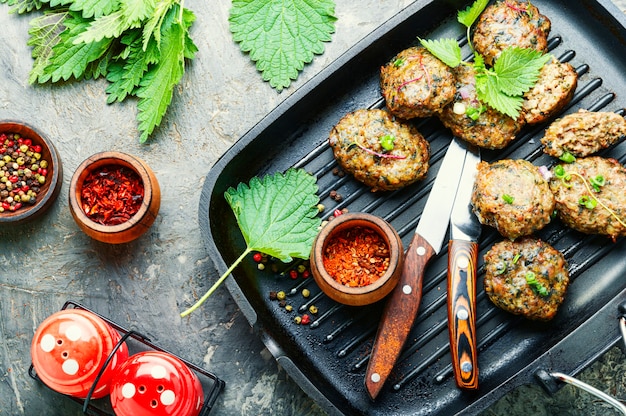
[
  {"x": 356, "y": 256},
  {"x": 112, "y": 194}
]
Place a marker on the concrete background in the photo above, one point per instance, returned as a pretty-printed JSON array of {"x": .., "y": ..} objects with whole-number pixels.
[{"x": 146, "y": 283}]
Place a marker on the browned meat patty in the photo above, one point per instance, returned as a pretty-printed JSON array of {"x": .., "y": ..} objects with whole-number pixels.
[
  {"x": 554, "y": 89},
  {"x": 574, "y": 197},
  {"x": 526, "y": 277},
  {"x": 513, "y": 197},
  {"x": 583, "y": 133},
  {"x": 358, "y": 142},
  {"x": 416, "y": 84},
  {"x": 490, "y": 130},
  {"x": 510, "y": 23}
]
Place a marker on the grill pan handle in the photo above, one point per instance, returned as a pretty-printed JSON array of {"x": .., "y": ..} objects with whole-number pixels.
[{"x": 547, "y": 379}]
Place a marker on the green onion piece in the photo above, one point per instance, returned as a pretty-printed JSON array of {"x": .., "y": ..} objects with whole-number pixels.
[
  {"x": 508, "y": 198},
  {"x": 516, "y": 258},
  {"x": 398, "y": 62},
  {"x": 567, "y": 157},
  {"x": 597, "y": 182},
  {"x": 589, "y": 203},
  {"x": 386, "y": 142}
]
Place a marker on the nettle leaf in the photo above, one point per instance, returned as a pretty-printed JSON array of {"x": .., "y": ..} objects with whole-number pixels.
[
  {"x": 278, "y": 214},
  {"x": 23, "y": 6},
  {"x": 447, "y": 51},
  {"x": 45, "y": 33},
  {"x": 69, "y": 59},
  {"x": 498, "y": 100},
  {"x": 282, "y": 35},
  {"x": 93, "y": 8},
  {"x": 518, "y": 69},
  {"x": 157, "y": 86},
  {"x": 126, "y": 74},
  {"x": 468, "y": 16}
]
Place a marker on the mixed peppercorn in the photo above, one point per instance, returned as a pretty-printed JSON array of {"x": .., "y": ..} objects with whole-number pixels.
[{"x": 23, "y": 172}]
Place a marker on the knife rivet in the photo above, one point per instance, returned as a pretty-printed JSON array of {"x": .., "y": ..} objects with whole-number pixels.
[
  {"x": 466, "y": 366},
  {"x": 420, "y": 251},
  {"x": 463, "y": 262},
  {"x": 462, "y": 314},
  {"x": 375, "y": 378},
  {"x": 406, "y": 289}
]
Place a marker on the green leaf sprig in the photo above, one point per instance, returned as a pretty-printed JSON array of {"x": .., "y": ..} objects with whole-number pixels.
[
  {"x": 277, "y": 216},
  {"x": 282, "y": 35},
  {"x": 503, "y": 86},
  {"x": 140, "y": 46}
]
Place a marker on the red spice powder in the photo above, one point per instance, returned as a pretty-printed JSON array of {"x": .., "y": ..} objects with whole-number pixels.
[
  {"x": 112, "y": 194},
  {"x": 356, "y": 256}
]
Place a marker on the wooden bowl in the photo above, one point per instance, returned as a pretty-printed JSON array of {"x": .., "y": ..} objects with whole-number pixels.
[
  {"x": 48, "y": 191},
  {"x": 140, "y": 222},
  {"x": 363, "y": 295}
]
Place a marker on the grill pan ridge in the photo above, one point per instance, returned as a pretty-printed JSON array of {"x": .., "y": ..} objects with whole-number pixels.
[{"x": 328, "y": 358}]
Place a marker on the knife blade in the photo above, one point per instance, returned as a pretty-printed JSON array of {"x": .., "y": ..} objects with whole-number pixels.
[
  {"x": 462, "y": 257},
  {"x": 402, "y": 306}
]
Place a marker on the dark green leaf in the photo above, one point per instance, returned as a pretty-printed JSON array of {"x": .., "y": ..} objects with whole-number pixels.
[
  {"x": 282, "y": 35},
  {"x": 278, "y": 214}
]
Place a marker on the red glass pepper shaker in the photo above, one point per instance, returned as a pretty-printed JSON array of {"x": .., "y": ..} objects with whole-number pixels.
[
  {"x": 156, "y": 383},
  {"x": 69, "y": 349}
]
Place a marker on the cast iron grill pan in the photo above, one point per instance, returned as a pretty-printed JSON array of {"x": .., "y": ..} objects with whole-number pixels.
[{"x": 328, "y": 358}]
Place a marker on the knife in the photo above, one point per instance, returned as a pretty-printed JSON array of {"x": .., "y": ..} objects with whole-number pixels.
[
  {"x": 462, "y": 256},
  {"x": 401, "y": 308}
]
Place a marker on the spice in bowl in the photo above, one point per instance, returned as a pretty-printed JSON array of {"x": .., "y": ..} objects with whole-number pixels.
[
  {"x": 22, "y": 172},
  {"x": 356, "y": 257},
  {"x": 114, "y": 197},
  {"x": 112, "y": 194}
]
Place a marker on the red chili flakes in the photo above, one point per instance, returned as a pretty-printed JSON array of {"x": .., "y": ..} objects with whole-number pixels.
[
  {"x": 112, "y": 194},
  {"x": 356, "y": 257}
]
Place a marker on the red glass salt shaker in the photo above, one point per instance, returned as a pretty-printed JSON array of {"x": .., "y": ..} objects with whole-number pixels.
[
  {"x": 69, "y": 349},
  {"x": 156, "y": 383}
]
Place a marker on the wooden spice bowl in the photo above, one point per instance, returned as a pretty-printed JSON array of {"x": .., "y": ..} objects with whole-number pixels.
[
  {"x": 136, "y": 225},
  {"x": 49, "y": 190},
  {"x": 359, "y": 295}
]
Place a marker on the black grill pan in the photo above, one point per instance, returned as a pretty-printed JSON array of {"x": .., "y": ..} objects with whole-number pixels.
[{"x": 328, "y": 358}]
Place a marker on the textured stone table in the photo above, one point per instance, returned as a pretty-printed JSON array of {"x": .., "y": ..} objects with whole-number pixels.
[{"x": 145, "y": 284}]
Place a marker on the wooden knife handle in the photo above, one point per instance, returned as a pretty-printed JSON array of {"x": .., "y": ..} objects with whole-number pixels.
[
  {"x": 398, "y": 315},
  {"x": 462, "y": 256}
]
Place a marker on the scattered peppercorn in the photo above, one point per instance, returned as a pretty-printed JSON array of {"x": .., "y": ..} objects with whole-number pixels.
[
  {"x": 313, "y": 309},
  {"x": 281, "y": 295},
  {"x": 306, "y": 319},
  {"x": 260, "y": 266},
  {"x": 282, "y": 303},
  {"x": 257, "y": 257},
  {"x": 293, "y": 274},
  {"x": 306, "y": 274},
  {"x": 306, "y": 292},
  {"x": 273, "y": 295},
  {"x": 301, "y": 268},
  {"x": 297, "y": 320},
  {"x": 288, "y": 308}
]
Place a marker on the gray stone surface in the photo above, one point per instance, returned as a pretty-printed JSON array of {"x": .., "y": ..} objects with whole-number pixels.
[{"x": 146, "y": 283}]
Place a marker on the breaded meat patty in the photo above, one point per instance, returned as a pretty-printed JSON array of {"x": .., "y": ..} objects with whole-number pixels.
[
  {"x": 513, "y": 197},
  {"x": 526, "y": 277},
  {"x": 472, "y": 121},
  {"x": 382, "y": 152},
  {"x": 583, "y": 133},
  {"x": 590, "y": 195},
  {"x": 416, "y": 84},
  {"x": 510, "y": 23}
]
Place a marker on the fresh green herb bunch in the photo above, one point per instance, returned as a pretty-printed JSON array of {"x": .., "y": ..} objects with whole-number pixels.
[
  {"x": 140, "y": 46},
  {"x": 503, "y": 86}
]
